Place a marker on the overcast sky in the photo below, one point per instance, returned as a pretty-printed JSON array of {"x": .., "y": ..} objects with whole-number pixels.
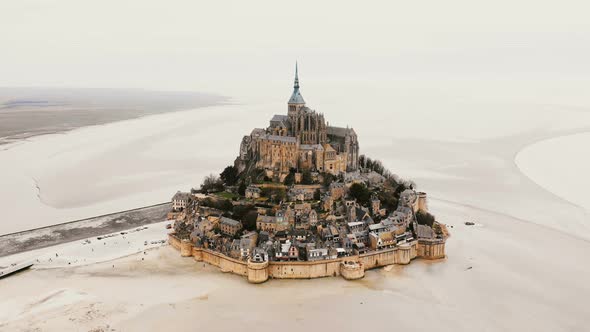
[{"x": 226, "y": 46}]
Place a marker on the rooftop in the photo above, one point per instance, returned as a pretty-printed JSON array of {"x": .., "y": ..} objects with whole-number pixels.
[
  {"x": 288, "y": 139},
  {"x": 296, "y": 97},
  {"x": 229, "y": 221}
]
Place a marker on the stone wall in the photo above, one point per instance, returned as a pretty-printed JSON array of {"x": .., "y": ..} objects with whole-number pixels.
[
  {"x": 174, "y": 241},
  {"x": 433, "y": 249},
  {"x": 186, "y": 248},
  {"x": 257, "y": 272},
  {"x": 352, "y": 267},
  {"x": 225, "y": 263},
  {"x": 304, "y": 270},
  {"x": 352, "y": 270},
  {"x": 378, "y": 258}
]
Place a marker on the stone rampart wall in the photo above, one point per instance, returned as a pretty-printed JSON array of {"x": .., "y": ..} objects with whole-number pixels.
[
  {"x": 352, "y": 271},
  {"x": 259, "y": 272},
  {"x": 174, "y": 241},
  {"x": 225, "y": 263},
  {"x": 431, "y": 249},
  {"x": 304, "y": 270}
]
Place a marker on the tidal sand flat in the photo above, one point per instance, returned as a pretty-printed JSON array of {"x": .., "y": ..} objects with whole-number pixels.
[
  {"x": 561, "y": 166},
  {"x": 118, "y": 166},
  {"x": 28, "y": 112},
  {"x": 493, "y": 269}
]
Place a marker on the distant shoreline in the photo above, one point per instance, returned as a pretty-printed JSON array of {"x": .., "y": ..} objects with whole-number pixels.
[{"x": 31, "y": 112}]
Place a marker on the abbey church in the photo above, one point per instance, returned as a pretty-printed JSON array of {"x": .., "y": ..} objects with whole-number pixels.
[{"x": 300, "y": 140}]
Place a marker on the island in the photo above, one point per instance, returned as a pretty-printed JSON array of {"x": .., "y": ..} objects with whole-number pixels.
[{"x": 300, "y": 202}]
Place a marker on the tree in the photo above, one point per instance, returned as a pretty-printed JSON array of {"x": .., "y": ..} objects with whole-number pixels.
[
  {"x": 369, "y": 163},
  {"x": 378, "y": 167},
  {"x": 226, "y": 205},
  {"x": 239, "y": 211},
  {"x": 275, "y": 194},
  {"x": 306, "y": 177},
  {"x": 211, "y": 183},
  {"x": 229, "y": 176},
  {"x": 360, "y": 192},
  {"x": 242, "y": 189},
  {"x": 328, "y": 179},
  {"x": 388, "y": 199},
  {"x": 290, "y": 179},
  {"x": 317, "y": 195},
  {"x": 249, "y": 220},
  {"x": 220, "y": 204},
  {"x": 425, "y": 218}
]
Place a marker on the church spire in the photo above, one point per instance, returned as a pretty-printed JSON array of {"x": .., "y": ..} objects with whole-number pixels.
[
  {"x": 296, "y": 86},
  {"x": 296, "y": 97}
]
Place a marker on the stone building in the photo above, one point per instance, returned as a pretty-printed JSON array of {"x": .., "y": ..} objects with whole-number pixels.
[
  {"x": 312, "y": 217},
  {"x": 337, "y": 190},
  {"x": 381, "y": 240},
  {"x": 180, "y": 201},
  {"x": 253, "y": 192},
  {"x": 269, "y": 224},
  {"x": 375, "y": 205},
  {"x": 327, "y": 202},
  {"x": 300, "y": 140},
  {"x": 229, "y": 226}
]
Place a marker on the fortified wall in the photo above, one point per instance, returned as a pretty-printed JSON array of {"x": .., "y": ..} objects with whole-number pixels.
[{"x": 350, "y": 268}]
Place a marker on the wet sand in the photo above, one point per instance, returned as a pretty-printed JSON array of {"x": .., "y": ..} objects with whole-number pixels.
[
  {"x": 560, "y": 156},
  {"x": 29, "y": 112},
  {"x": 493, "y": 271}
]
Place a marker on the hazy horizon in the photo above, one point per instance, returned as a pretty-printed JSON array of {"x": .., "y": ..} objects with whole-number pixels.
[{"x": 241, "y": 49}]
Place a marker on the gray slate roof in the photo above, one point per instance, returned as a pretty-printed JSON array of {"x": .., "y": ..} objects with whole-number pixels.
[
  {"x": 267, "y": 219},
  {"x": 230, "y": 222},
  {"x": 279, "y": 118},
  {"x": 318, "y": 147},
  {"x": 287, "y": 139},
  {"x": 339, "y": 131},
  {"x": 425, "y": 232},
  {"x": 181, "y": 196},
  {"x": 296, "y": 97}
]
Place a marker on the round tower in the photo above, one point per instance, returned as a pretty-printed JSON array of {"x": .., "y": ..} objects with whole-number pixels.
[
  {"x": 402, "y": 254},
  {"x": 186, "y": 248},
  {"x": 422, "y": 202},
  {"x": 352, "y": 270},
  {"x": 257, "y": 271}
]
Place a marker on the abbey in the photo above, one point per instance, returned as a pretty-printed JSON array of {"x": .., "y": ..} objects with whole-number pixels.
[
  {"x": 300, "y": 202},
  {"x": 300, "y": 140}
]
